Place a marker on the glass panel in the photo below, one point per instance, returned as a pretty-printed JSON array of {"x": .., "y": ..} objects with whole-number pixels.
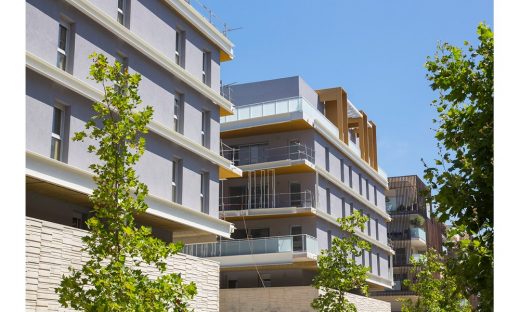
[
  {"x": 120, "y": 18},
  {"x": 269, "y": 109},
  {"x": 256, "y": 111},
  {"x": 56, "y": 121},
  {"x": 282, "y": 107},
  {"x": 61, "y": 61},
  {"x": 55, "y": 149},
  {"x": 243, "y": 113},
  {"x": 62, "y": 42},
  {"x": 284, "y": 244},
  {"x": 293, "y": 105}
]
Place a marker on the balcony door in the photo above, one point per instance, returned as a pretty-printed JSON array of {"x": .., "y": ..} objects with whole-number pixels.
[
  {"x": 296, "y": 231},
  {"x": 237, "y": 198},
  {"x": 296, "y": 195}
]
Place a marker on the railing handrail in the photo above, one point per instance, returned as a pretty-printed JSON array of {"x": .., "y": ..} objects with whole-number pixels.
[
  {"x": 271, "y": 101},
  {"x": 290, "y": 151},
  {"x": 266, "y": 194},
  {"x": 252, "y": 239}
]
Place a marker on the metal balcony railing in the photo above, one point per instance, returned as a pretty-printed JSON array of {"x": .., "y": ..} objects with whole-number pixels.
[
  {"x": 275, "y": 244},
  {"x": 268, "y": 200},
  {"x": 228, "y": 152},
  {"x": 254, "y": 154}
]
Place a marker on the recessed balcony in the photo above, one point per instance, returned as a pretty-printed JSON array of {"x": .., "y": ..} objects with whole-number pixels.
[
  {"x": 263, "y": 204},
  {"x": 278, "y": 250}
]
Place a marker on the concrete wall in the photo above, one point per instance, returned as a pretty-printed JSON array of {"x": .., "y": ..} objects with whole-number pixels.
[
  {"x": 286, "y": 299},
  {"x": 156, "y": 23},
  {"x": 51, "y": 248},
  {"x": 268, "y": 90}
]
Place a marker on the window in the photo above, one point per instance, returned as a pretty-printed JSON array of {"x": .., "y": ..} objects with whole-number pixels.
[
  {"x": 327, "y": 159},
  {"x": 351, "y": 208},
  {"x": 342, "y": 170},
  {"x": 378, "y": 266},
  {"x": 178, "y": 109},
  {"x": 350, "y": 176},
  {"x": 367, "y": 188},
  {"x": 180, "y": 37},
  {"x": 343, "y": 208},
  {"x": 204, "y": 184},
  {"x": 375, "y": 195},
  {"x": 329, "y": 239},
  {"x": 363, "y": 262},
  {"x": 123, "y": 12},
  {"x": 58, "y": 122},
  {"x": 78, "y": 220},
  {"x": 328, "y": 201},
  {"x": 63, "y": 47},
  {"x": 232, "y": 284},
  {"x": 204, "y": 131},
  {"x": 206, "y": 62},
  {"x": 176, "y": 180},
  {"x": 360, "y": 185},
  {"x": 370, "y": 261},
  {"x": 265, "y": 280},
  {"x": 377, "y": 228}
]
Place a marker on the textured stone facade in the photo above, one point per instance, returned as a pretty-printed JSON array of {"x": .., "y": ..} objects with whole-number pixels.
[
  {"x": 51, "y": 248},
  {"x": 286, "y": 299}
]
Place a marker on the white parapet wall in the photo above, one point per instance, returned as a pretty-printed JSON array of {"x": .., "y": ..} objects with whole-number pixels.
[
  {"x": 286, "y": 299},
  {"x": 51, "y": 248}
]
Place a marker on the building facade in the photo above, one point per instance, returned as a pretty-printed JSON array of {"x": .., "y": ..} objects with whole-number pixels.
[
  {"x": 412, "y": 231},
  {"x": 178, "y": 54},
  {"x": 308, "y": 157}
]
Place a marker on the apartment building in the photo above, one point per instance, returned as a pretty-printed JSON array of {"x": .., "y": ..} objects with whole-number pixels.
[
  {"x": 178, "y": 53},
  {"x": 308, "y": 157},
  {"x": 413, "y": 231}
]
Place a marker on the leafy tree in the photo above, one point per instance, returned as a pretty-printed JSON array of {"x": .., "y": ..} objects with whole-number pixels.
[
  {"x": 338, "y": 272},
  {"x": 112, "y": 279},
  {"x": 437, "y": 291},
  {"x": 463, "y": 174}
]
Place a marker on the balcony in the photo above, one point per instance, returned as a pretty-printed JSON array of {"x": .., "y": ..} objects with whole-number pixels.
[
  {"x": 417, "y": 233},
  {"x": 258, "y": 251},
  {"x": 416, "y": 236},
  {"x": 267, "y": 204},
  {"x": 254, "y": 154}
]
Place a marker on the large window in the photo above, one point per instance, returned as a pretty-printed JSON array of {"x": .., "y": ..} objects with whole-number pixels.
[
  {"x": 350, "y": 176},
  {"x": 343, "y": 208},
  {"x": 204, "y": 186},
  {"x": 368, "y": 225},
  {"x": 180, "y": 39},
  {"x": 176, "y": 180},
  {"x": 327, "y": 159},
  {"x": 342, "y": 170},
  {"x": 378, "y": 265},
  {"x": 204, "y": 131},
  {"x": 57, "y": 135},
  {"x": 178, "y": 111},
  {"x": 206, "y": 68},
  {"x": 63, "y": 49},
  {"x": 377, "y": 228}
]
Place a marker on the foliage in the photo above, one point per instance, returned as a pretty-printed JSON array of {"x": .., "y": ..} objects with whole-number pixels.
[
  {"x": 338, "y": 272},
  {"x": 418, "y": 221},
  {"x": 112, "y": 279},
  {"x": 463, "y": 175},
  {"x": 437, "y": 291}
]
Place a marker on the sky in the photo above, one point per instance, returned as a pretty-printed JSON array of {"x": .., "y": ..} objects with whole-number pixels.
[{"x": 375, "y": 50}]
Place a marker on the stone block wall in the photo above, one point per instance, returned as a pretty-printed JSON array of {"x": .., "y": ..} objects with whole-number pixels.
[
  {"x": 51, "y": 248},
  {"x": 286, "y": 299}
]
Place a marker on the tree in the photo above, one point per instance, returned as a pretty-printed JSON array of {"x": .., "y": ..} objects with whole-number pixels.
[
  {"x": 112, "y": 279},
  {"x": 437, "y": 291},
  {"x": 462, "y": 176},
  {"x": 338, "y": 272}
]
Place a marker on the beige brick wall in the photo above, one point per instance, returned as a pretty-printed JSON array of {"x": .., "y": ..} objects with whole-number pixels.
[
  {"x": 51, "y": 248},
  {"x": 286, "y": 299}
]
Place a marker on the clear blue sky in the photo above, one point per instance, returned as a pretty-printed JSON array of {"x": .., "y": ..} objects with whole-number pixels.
[{"x": 375, "y": 50}]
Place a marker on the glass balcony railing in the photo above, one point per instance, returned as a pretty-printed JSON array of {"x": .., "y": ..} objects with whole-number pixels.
[
  {"x": 280, "y": 106},
  {"x": 276, "y": 244},
  {"x": 260, "y": 153},
  {"x": 268, "y": 200},
  {"x": 417, "y": 233}
]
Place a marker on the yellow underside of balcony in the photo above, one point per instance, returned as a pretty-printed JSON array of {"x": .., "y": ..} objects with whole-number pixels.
[{"x": 292, "y": 125}]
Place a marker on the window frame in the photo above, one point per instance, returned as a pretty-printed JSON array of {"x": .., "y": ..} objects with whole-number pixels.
[
  {"x": 204, "y": 207},
  {"x": 64, "y": 52},
  {"x": 178, "y": 117},
  {"x": 205, "y": 129},
  {"x": 179, "y": 55},
  {"x": 206, "y": 67},
  {"x": 328, "y": 201},
  {"x": 124, "y": 12},
  {"x": 176, "y": 180},
  {"x": 58, "y": 136}
]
